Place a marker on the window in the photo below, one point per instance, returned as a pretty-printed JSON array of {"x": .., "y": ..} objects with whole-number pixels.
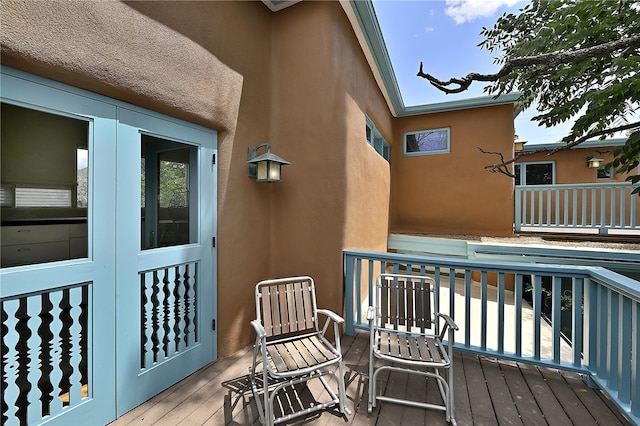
[
  {"x": 43, "y": 186},
  {"x": 168, "y": 170},
  {"x": 425, "y": 142},
  {"x": 605, "y": 173},
  {"x": 43, "y": 197},
  {"x": 82, "y": 172},
  {"x": 6, "y": 195},
  {"x": 375, "y": 139},
  {"x": 535, "y": 173}
]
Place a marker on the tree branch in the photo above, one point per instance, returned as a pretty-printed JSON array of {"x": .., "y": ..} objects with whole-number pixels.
[
  {"x": 578, "y": 141},
  {"x": 502, "y": 166},
  {"x": 546, "y": 60},
  {"x": 499, "y": 167}
]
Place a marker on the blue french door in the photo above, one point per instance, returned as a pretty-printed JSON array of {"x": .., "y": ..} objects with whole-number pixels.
[
  {"x": 58, "y": 266},
  {"x": 108, "y": 260},
  {"x": 165, "y": 254}
]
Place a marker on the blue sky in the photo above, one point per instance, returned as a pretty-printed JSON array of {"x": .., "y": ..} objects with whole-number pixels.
[{"x": 444, "y": 34}]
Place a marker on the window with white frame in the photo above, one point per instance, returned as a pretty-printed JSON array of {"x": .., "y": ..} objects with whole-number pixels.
[
  {"x": 375, "y": 139},
  {"x": 535, "y": 173},
  {"x": 605, "y": 172},
  {"x": 427, "y": 142}
]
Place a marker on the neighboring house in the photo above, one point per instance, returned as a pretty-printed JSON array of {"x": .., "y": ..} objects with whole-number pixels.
[
  {"x": 129, "y": 290},
  {"x": 574, "y": 191},
  {"x": 568, "y": 167}
]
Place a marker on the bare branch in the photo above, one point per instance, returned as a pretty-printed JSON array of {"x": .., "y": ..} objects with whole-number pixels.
[
  {"x": 499, "y": 167},
  {"x": 578, "y": 141},
  {"x": 502, "y": 166},
  {"x": 546, "y": 60}
]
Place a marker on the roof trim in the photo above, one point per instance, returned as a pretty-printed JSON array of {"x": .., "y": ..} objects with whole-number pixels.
[
  {"x": 276, "y": 5},
  {"x": 591, "y": 143},
  {"x": 365, "y": 24},
  {"x": 477, "y": 102}
]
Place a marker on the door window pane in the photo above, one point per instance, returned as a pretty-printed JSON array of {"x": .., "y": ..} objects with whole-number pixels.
[
  {"x": 168, "y": 174},
  {"x": 44, "y": 216}
]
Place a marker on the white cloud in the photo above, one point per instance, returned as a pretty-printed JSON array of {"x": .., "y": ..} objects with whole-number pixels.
[
  {"x": 428, "y": 29},
  {"x": 463, "y": 11}
]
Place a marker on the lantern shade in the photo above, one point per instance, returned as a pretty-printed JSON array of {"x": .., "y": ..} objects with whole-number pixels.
[
  {"x": 594, "y": 162},
  {"x": 265, "y": 167},
  {"x": 518, "y": 145}
]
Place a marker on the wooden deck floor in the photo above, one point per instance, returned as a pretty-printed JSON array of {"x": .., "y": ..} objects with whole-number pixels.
[{"x": 487, "y": 392}]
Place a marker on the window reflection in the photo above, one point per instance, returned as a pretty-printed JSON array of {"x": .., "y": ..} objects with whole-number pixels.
[
  {"x": 43, "y": 189},
  {"x": 167, "y": 176}
]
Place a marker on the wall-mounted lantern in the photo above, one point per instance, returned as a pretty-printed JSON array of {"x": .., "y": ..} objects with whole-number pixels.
[
  {"x": 594, "y": 162},
  {"x": 265, "y": 167},
  {"x": 518, "y": 145}
]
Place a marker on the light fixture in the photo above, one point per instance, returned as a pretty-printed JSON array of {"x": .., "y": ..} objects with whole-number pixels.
[
  {"x": 518, "y": 145},
  {"x": 594, "y": 162},
  {"x": 265, "y": 167}
]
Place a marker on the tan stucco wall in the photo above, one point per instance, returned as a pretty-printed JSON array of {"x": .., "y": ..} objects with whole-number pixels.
[
  {"x": 452, "y": 193},
  {"x": 336, "y": 193},
  {"x": 296, "y": 79}
]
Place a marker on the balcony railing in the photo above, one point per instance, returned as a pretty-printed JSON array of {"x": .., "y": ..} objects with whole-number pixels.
[
  {"x": 578, "y": 318},
  {"x": 596, "y": 208}
]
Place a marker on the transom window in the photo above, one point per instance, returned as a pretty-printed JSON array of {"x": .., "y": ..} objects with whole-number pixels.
[
  {"x": 426, "y": 142},
  {"x": 375, "y": 139}
]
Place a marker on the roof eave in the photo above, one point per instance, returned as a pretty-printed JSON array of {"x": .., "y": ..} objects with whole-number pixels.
[{"x": 365, "y": 24}]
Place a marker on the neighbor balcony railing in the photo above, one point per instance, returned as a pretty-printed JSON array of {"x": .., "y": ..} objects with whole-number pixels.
[
  {"x": 578, "y": 318},
  {"x": 580, "y": 207}
]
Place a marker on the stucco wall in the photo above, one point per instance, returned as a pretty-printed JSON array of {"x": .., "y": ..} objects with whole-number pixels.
[
  {"x": 452, "y": 193},
  {"x": 296, "y": 79},
  {"x": 336, "y": 193}
]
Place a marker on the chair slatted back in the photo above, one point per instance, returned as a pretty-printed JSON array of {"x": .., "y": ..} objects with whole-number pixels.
[
  {"x": 286, "y": 306},
  {"x": 404, "y": 302}
]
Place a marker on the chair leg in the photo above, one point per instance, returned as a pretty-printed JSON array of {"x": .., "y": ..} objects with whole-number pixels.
[
  {"x": 342, "y": 393},
  {"x": 267, "y": 408},
  {"x": 372, "y": 382},
  {"x": 450, "y": 404},
  {"x": 372, "y": 385}
]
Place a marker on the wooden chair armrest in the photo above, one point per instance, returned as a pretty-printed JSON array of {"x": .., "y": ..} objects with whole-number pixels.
[{"x": 335, "y": 317}]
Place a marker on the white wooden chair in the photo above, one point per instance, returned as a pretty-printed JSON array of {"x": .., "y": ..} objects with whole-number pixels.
[
  {"x": 292, "y": 350},
  {"x": 405, "y": 331}
]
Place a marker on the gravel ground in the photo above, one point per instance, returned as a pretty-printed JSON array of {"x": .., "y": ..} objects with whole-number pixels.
[
  {"x": 618, "y": 243},
  {"x": 609, "y": 244}
]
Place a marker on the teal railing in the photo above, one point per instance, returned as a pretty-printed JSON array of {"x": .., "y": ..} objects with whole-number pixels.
[
  {"x": 597, "y": 208},
  {"x": 578, "y": 318}
]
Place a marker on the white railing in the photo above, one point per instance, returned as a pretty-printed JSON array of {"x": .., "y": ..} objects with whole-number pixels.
[
  {"x": 596, "y": 208},
  {"x": 578, "y": 318}
]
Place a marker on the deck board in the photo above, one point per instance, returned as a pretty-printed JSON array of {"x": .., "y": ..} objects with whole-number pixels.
[
  {"x": 552, "y": 410},
  {"x": 487, "y": 392},
  {"x": 499, "y": 391},
  {"x": 524, "y": 401}
]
